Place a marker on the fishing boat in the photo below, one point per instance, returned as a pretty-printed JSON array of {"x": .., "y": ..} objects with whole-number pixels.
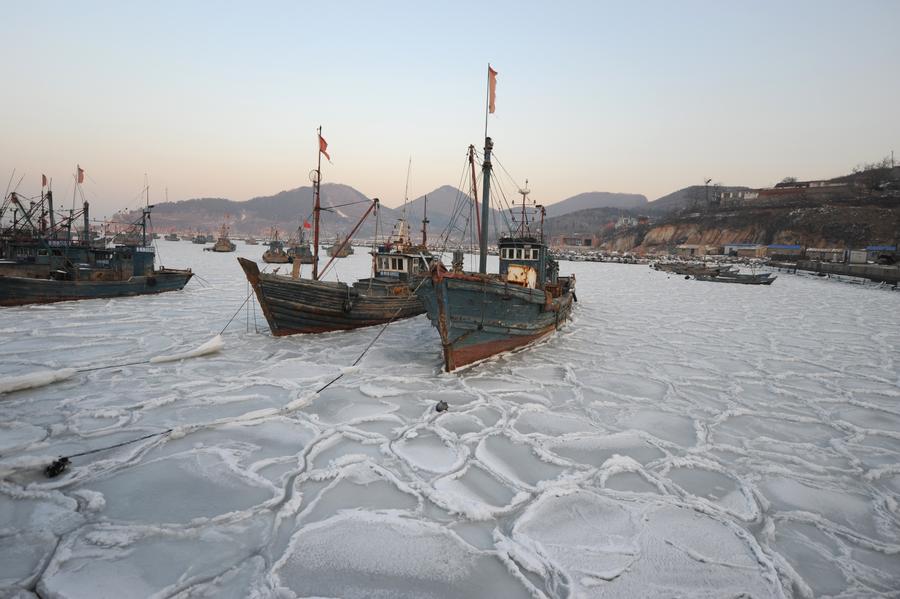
[
  {"x": 292, "y": 304},
  {"x": 199, "y": 239},
  {"x": 479, "y": 314},
  {"x": 250, "y": 241},
  {"x": 275, "y": 254},
  {"x": 299, "y": 250},
  {"x": 764, "y": 278},
  {"x": 173, "y": 236},
  {"x": 340, "y": 249},
  {"x": 223, "y": 243},
  {"x": 43, "y": 262}
]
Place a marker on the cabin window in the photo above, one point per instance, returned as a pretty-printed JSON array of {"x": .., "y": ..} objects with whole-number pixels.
[
  {"x": 382, "y": 264},
  {"x": 42, "y": 252},
  {"x": 535, "y": 254}
]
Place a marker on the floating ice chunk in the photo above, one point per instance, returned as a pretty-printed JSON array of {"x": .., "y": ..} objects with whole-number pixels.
[
  {"x": 212, "y": 346},
  {"x": 35, "y": 379},
  {"x": 93, "y": 501},
  {"x": 359, "y": 554},
  {"x": 376, "y": 391}
]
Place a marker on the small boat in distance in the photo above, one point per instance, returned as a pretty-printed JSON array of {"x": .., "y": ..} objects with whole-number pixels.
[
  {"x": 199, "y": 239},
  {"x": 340, "y": 249},
  {"x": 250, "y": 240},
  {"x": 173, "y": 236},
  {"x": 223, "y": 243},
  {"x": 275, "y": 254},
  {"x": 298, "y": 250}
]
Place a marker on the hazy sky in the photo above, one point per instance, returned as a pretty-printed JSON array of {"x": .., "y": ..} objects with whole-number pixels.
[{"x": 222, "y": 99}]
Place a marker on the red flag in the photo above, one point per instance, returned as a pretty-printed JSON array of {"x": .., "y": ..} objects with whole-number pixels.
[
  {"x": 80, "y": 174},
  {"x": 43, "y": 180},
  {"x": 323, "y": 147},
  {"x": 492, "y": 88},
  {"x": 306, "y": 224}
]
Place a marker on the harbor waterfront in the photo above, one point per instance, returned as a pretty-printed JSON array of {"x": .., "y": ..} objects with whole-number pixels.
[{"x": 674, "y": 439}]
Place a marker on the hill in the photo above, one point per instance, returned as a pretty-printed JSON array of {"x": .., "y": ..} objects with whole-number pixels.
[
  {"x": 597, "y": 199},
  {"x": 691, "y": 197},
  {"x": 286, "y": 210}
]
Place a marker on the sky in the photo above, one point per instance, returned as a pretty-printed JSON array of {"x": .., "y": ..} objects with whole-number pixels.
[{"x": 222, "y": 99}]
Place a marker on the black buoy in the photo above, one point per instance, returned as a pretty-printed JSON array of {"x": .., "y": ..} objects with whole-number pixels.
[
  {"x": 57, "y": 467},
  {"x": 687, "y": 277},
  {"x": 442, "y": 406}
]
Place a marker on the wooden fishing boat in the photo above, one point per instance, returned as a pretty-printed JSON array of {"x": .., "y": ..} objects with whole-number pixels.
[
  {"x": 251, "y": 241},
  {"x": 292, "y": 304},
  {"x": 40, "y": 264},
  {"x": 173, "y": 236},
  {"x": 479, "y": 315}
]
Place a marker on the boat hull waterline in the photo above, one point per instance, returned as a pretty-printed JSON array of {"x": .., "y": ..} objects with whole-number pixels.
[
  {"x": 293, "y": 306},
  {"x": 17, "y": 291},
  {"x": 480, "y": 316}
]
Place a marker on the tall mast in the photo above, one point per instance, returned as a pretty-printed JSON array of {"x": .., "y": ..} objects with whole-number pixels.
[
  {"x": 316, "y": 185},
  {"x": 425, "y": 222},
  {"x": 485, "y": 204},
  {"x": 475, "y": 190}
]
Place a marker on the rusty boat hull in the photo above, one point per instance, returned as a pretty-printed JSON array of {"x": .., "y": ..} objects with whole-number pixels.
[
  {"x": 479, "y": 316},
  {"x": 292, "y": 306}
]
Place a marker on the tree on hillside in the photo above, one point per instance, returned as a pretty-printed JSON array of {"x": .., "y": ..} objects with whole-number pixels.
[
  {"x": 789, "y": 180},
  {"x": 862, "y": 167}
]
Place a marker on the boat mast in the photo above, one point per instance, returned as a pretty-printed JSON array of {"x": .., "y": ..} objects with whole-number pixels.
[
  {"x": 485, "y": 204},
  {"x": 486, "y": 175},
  {"x": 425, "y": 223},
  {"x": 317, "y": 182},
  {"x": 475, "y": 191},
  {"x": 524, "y": 193}
]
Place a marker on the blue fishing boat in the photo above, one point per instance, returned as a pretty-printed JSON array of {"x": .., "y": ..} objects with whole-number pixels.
[
  {"x": 479, "y": 315},
  {"x": 42, "y": 262}
]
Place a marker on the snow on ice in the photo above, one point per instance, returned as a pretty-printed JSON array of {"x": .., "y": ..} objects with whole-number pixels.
[{"x": 676, "y": 439}]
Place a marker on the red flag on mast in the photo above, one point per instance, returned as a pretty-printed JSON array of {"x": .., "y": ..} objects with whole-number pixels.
[
  {"x": 306, "y": 225},
  {"x": 323, "y": 147},
  {"x": 492, "y": 88},
  {"x": 80, "y": 174},
  {"x": 43, "y": 180}
]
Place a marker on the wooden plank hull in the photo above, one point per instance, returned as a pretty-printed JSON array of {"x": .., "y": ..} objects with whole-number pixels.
[
  {"x": 481, "y": 316},
  {"x": 294, "y": 306},
  {"x": 17, "y": 291}
]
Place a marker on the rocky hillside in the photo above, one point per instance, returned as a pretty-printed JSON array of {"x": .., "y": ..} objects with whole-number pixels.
[{"x": 850, "y": 223}]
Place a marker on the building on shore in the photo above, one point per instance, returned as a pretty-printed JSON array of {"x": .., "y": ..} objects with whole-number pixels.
[
  {"x": 688, "y": 250},
  {"x": 745, "y": 250},
  {"x": 781, "y": 251}
]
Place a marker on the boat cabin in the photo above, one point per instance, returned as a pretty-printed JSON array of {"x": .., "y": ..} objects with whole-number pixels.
[
  {"x": 398, "y": 265},
  {"x": 525, "y": 261}
]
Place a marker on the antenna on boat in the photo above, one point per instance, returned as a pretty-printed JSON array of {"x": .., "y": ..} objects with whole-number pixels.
[
  {"x": 524, "y": 193},
  {"x": 406, "y": 191}
]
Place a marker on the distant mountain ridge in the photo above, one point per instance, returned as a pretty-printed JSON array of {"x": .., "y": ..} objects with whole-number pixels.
[
  {"x": 343, "y": 206},
  {"x": 597, "y": 199}
]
